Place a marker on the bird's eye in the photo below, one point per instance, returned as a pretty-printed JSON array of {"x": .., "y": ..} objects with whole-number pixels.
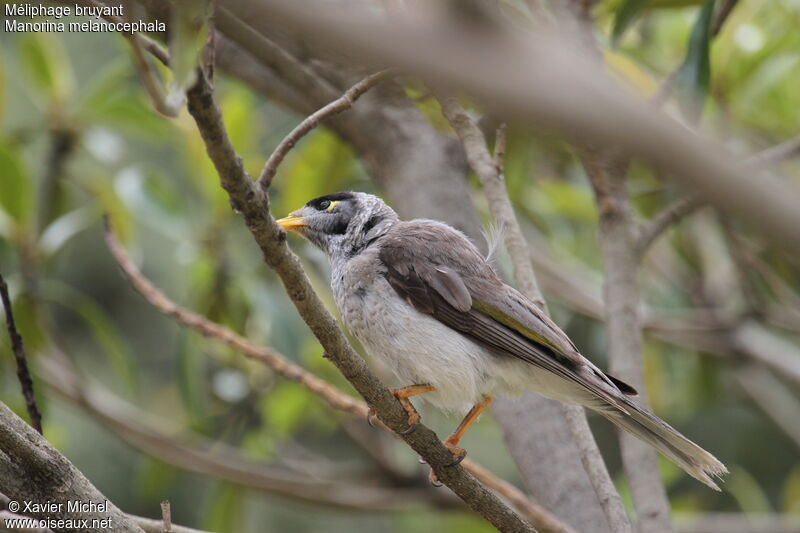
[{"x": 323, "y": 205}]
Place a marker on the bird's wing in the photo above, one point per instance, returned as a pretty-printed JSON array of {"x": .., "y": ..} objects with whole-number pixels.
[{"x": 438, "y": 271}]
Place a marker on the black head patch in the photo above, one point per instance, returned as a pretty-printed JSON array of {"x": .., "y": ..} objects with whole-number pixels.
[{"x": 320, "y": 204}]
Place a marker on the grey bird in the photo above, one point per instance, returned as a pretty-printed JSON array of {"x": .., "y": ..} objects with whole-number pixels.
[{"x": 420, "y": 296}]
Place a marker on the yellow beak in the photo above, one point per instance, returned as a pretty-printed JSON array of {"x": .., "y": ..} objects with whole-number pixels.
[{"x": 291, "y": 223}]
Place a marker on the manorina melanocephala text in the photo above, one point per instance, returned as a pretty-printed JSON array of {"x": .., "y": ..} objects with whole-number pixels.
[{"x": 420, "y": 296}]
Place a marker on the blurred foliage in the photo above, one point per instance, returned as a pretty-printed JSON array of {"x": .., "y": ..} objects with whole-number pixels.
[{"x": 161, "y": 192}]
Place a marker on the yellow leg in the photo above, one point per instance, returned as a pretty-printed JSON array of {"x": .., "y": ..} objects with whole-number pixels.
[{"x": 403, "y": 394}]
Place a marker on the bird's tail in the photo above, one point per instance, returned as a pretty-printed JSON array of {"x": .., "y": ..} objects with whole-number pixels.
[{"x": 689, "y": 456}]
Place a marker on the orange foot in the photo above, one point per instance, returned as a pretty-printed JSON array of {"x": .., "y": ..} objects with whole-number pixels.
[
  {"x": 403, "y": 396},
  {"x": 452, "y": 441}
]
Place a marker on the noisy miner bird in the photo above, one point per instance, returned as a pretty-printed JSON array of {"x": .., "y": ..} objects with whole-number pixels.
[{"x": 419, "y": 295}]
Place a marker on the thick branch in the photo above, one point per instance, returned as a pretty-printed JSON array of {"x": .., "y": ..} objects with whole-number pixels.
[
  {"x": 769, "y": 157},
  {"x": 572, "y": 96},
  {"x": 32, "y": 470}
]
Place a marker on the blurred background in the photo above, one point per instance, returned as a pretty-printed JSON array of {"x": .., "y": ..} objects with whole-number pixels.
[{"x": 79, "y": 139}]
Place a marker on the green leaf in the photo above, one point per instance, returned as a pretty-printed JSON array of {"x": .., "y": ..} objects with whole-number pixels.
[
  {"x": 15, "y": 193},
  {"x": 188, "y": 32},
  {"x": 694, "y": 75},
  {"x": 46, "y": 66},
  {"x": 627, "y": 13},
  {"x": 192, "y": 378}
]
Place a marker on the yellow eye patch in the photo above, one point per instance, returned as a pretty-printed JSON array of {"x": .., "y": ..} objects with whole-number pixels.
[{"x": 333, "y": 203}]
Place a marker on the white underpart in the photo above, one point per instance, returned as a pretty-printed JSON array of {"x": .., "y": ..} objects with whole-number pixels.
[{"x": 419, "y": 349}]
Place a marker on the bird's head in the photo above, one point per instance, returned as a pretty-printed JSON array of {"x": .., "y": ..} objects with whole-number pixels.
[{"x": 341, "y": 224}]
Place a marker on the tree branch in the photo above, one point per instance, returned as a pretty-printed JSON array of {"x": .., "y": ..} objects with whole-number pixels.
[
  {"x": 252, "y": 202},
  {"x": 489, "y": 172},
  {"x": 491, "y": 178},
  {"x": 23, "y": 373},
  {"x": 769, "y": 157},
  {"x": 32, "y": 470},
  {"x": 343, "y": 103},
  {"x": 619, "y": 233},
  {"x": 664, "y": 219},
  {"x": 152, "y": 435},
  {"x": 573, "y": 96}
]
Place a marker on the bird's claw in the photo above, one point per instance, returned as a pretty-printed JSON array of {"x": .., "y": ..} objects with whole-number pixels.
[
  {"x": 459, "y": 454},
  {"x": 413, "y": 420},
  {"x": 411, "y": 428},
  {"x": 413, "y": 415},
  {"x": 433, "y": 479}
]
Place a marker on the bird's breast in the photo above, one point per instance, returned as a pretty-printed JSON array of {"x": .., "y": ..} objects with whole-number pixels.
[{"x": 416, "y": 347}]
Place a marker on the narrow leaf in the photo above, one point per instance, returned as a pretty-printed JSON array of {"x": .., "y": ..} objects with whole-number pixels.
[
  {"x": 14, "y": 183},
  {"x": 188, "y": 32},
  {"x": 46, "y": 66},
  {"x": 694, "y": 75}
]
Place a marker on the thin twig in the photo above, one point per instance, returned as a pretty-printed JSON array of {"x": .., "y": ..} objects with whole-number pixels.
[
  {"x": 166, "y": 517},
  {"x": 766, "y": 158},
  {"x": 23, "y": 373},
  {"x": 664, "y": 219},
  {"x": 152, "y": 525},
  {"x": 158, "y": 51},
  {"x": 596, "y": 469},
  {"x": 151, "y": 82},
  {"x": 500, "y": 138},
  {"x": 154, "y": 436},
  {"x": 491, "y": 177},
  {"x": 774, "y": 155},
  {"x": 723, "y": 11},
  {"x": 540, "y": 517},
  {"x": 339, "y": 105}
]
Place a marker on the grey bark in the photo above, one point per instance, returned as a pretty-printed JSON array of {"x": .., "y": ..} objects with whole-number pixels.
[
  {"x": 31, "y": 470},
  {"x": 619, "y": 235}
]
